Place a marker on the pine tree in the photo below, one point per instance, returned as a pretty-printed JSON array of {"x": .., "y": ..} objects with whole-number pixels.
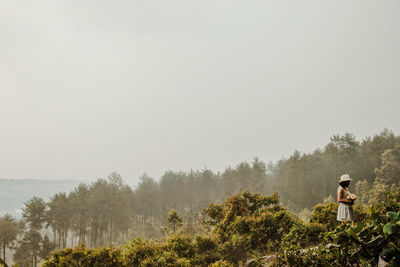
[
  {"x": 8, "y": 233},
  {"x": 46, "y": 247},
  {"x": 174, "y": 221}
]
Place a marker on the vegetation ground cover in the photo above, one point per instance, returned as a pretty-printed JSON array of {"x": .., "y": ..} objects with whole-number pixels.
[{"x": 103, "y": 220}]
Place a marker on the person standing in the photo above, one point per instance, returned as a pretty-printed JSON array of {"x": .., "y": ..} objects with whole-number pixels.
[{"x": 346, "y": 200}]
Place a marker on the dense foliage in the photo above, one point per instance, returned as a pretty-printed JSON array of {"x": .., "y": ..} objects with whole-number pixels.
[
  {"x": 108, "y": 212},
  {"x": 249, "y": 223},
  {"x": 175, "y": 251},
  {"x": 244, "y": 225},
  {"x": 359, "y": 244},
  {"x": 248, "y": 226},
  {"x": 326, "y": 214}
]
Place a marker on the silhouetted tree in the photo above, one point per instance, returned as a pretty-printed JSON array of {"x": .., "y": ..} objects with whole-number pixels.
[{"x": 8, "y": 233}]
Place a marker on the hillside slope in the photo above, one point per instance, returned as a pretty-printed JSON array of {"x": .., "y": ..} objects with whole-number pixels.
[{"x": 13, "y": 193}]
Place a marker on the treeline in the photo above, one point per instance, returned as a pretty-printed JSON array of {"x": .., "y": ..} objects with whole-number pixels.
[
  {"x": 247, "y": 227},
  {"x": 243, "y": 226},
  {"x": 304, "y": 179},
  {"x": 109, "y": 212}
]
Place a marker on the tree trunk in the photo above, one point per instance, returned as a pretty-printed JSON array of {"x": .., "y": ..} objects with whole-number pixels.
[
  {"x": 111, "y": 230},
  {"x": 62, "y": 238},
  {"x": 54, "y": 237},
  {"x": 65, "y": 239},
  {"x": 84, "y": 230},
  {"x": 4, "y": 252},
  {"x": 34, "y": 256},
  {"x": 101, "y": 235},
  {"x": 80, "y": 228},
  {"x": 94, "y": 238},
  {"x": 91, "y": 239},
  {"x": 59, "y": 239}
]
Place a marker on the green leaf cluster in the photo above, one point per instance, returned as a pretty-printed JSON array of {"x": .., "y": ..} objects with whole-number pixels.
[
  {"x": 248, "y": 224},
  {"x": 175, "y": 251},
  {"x": 359, "y": 244}
]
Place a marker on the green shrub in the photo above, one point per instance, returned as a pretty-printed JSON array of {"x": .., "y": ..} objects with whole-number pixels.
[
  {"x": 249, "y": 224},
  {"x": 304, "y": 235},
  {"x": 137, "y": 251},
  {"x": 182, "y": 245},
  {"x": 325, "y": 214},
  {"x": 390, "y": 202},
  {"x": 235, "y": 249},
  {"x": 82, "y": 256},
  {"x": 360, "y": 213},
  {"x": 295, "y": 255},
  {"x": 175, "y": 251},
  {"x": 357, "y": 244},
  {"x": 206, "y": 251},
  {"x": 222, "y": 263},
  {"x": 164, "y": 258},
  {"x": 178, "y": 250}
]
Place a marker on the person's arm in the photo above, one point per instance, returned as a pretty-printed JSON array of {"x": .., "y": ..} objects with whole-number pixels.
[{"x": 341, "y": 199}]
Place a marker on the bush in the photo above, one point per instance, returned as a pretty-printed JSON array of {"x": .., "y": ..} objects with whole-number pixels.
[
  {"x": 304, "y": 235},
  {"x": 222, "y": 263},
  {"x": 182, "y": 245},
  {"x": 359, "y": 244},
  {"x": 235, "y": 249},
  {"x": 178, "y": 250},
  {"x": 206, "y": 251},
  {"x": 390, "y": 202},
  {"x": 360, "y": 213},
  {"x": 326, "y": 214},
  {"x": 164, "y": 258},
  {"x": 81, "y": 256},
  {"x": 138, "y": 251},
  {"x": 172, "y": 253},
  {"x": 249, "y": 224}
]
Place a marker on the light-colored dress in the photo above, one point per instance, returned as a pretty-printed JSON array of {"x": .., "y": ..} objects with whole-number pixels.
[{"x": 345, "y": 211}]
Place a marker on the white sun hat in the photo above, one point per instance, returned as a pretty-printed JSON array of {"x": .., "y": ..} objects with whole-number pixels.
[{"x": 344, "y": 178}]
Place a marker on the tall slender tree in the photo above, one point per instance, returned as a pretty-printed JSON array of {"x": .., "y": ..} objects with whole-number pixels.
[
  {"x": 8, "y": 233},
  {"x": 35, "y": 215}
]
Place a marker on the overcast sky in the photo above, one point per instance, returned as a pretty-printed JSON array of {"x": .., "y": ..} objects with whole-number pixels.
[{"x": 91, "y": 87}]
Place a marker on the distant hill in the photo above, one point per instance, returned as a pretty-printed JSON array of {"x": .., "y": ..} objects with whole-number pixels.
[{"x": 13, "y": 193}]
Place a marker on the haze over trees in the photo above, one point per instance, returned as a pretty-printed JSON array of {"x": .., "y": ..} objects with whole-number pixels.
[{"x": 109, "y": 212}]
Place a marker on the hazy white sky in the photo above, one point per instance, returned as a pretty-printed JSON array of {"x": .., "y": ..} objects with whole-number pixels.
[{"x": 91, "y": 87}]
